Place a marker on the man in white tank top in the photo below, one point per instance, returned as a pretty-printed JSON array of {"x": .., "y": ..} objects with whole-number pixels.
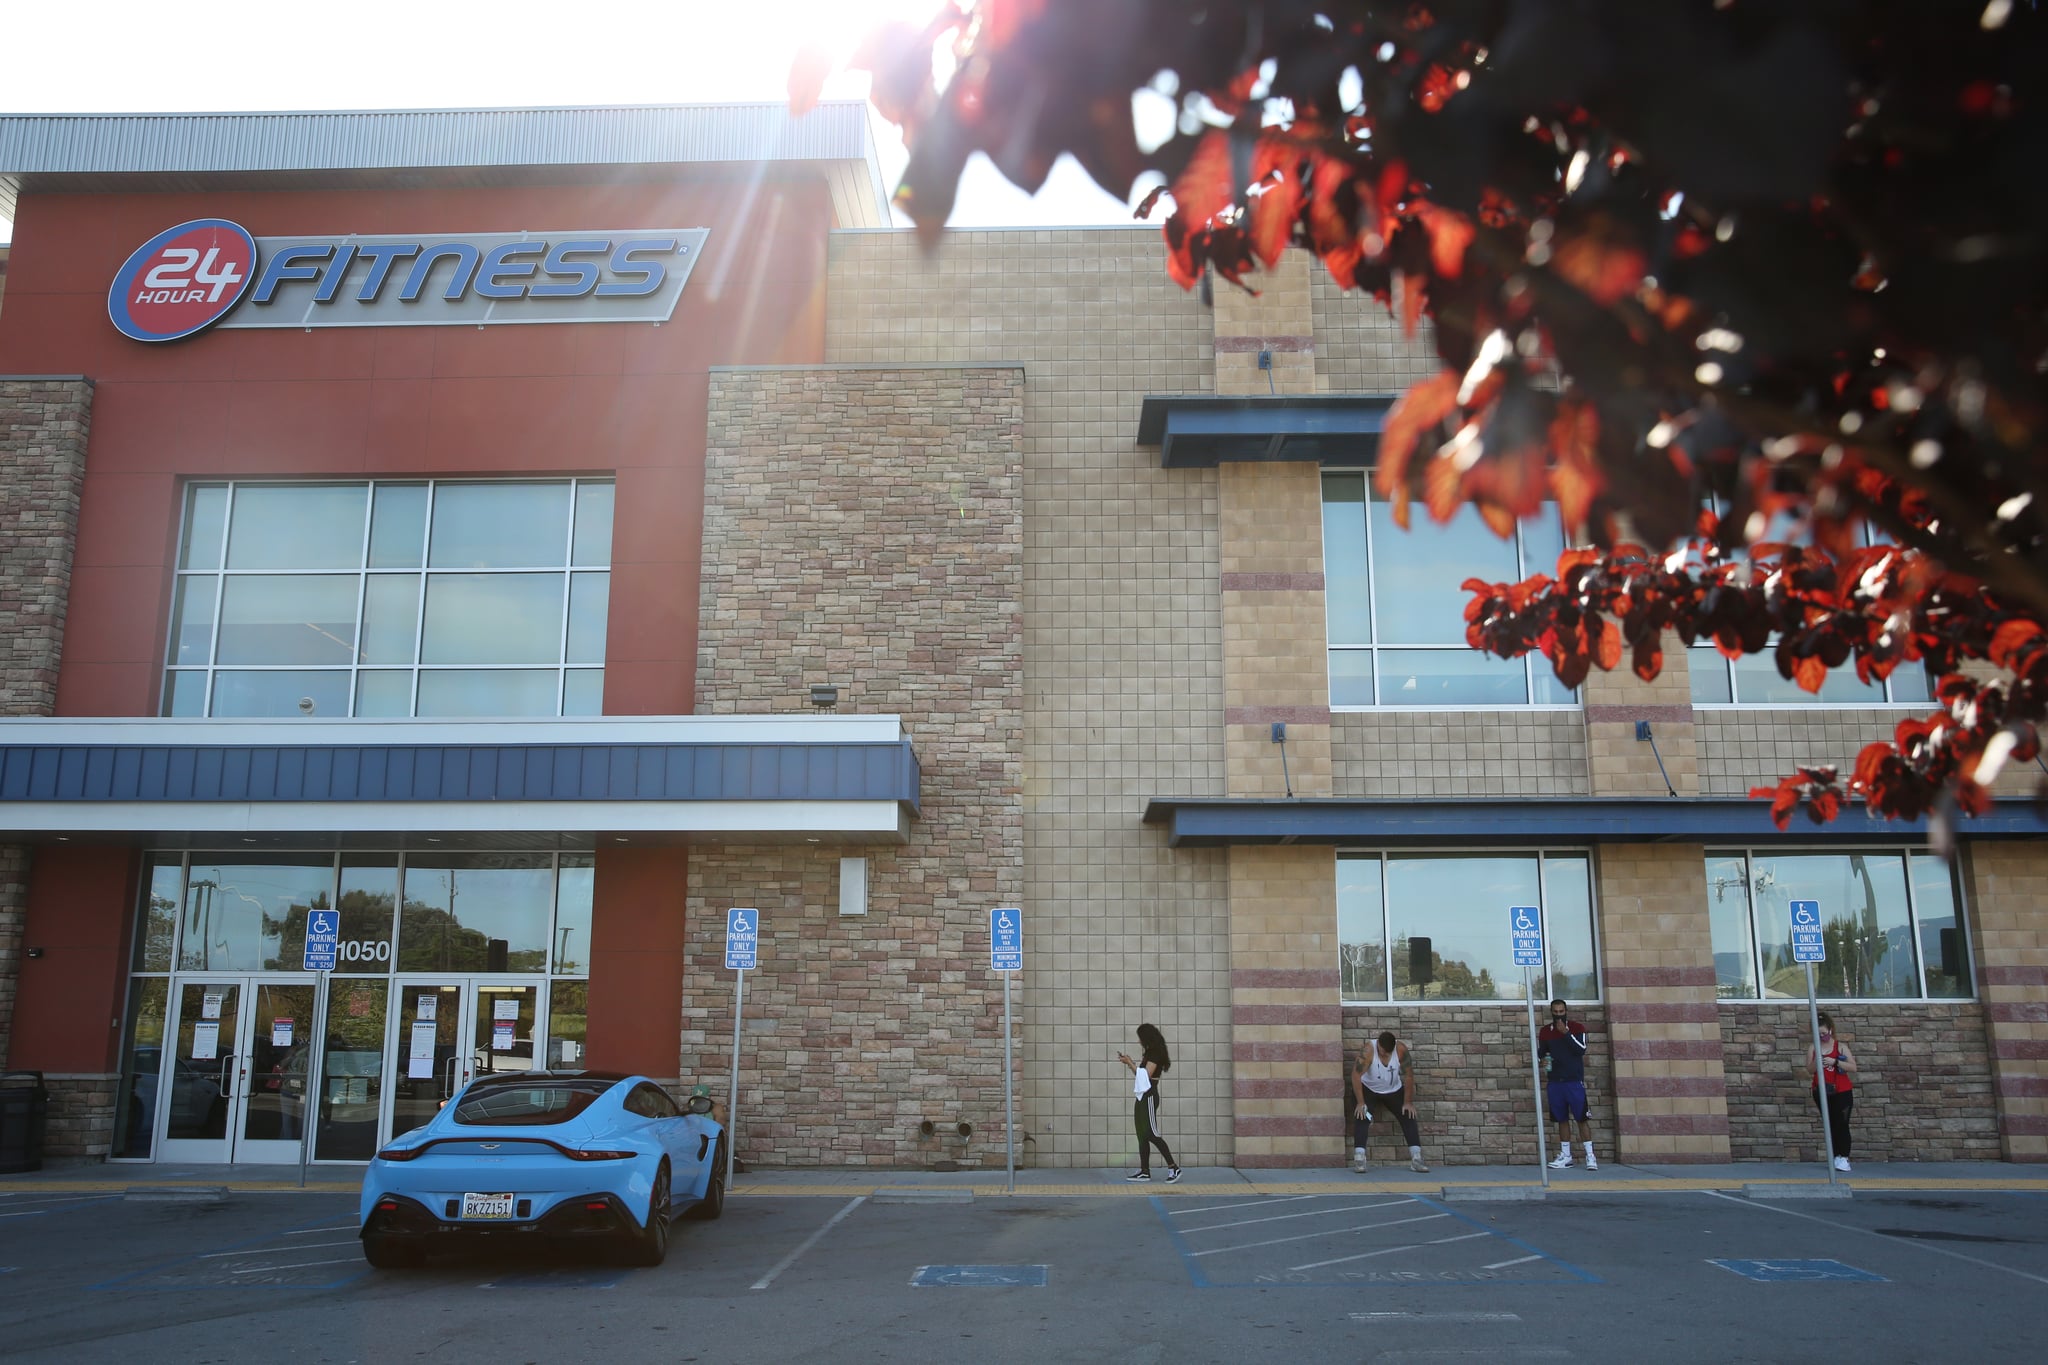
[{"x": 1384, "y": 1079}]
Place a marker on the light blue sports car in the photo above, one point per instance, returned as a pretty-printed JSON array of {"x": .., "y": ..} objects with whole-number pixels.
[{"x": 546, "y": 1155}]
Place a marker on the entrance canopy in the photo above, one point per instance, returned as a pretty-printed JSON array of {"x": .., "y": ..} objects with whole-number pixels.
[{"x": 457, "y": 783}]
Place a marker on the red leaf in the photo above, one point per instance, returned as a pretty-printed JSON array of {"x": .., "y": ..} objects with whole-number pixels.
[
  {"x": 1649, "y": 658},
  {"x": 1607, "y": 271},
  {"x": 1278, "y": 203},
  {"x": 807, "y": 78},
  {"x": 1810, "y": 673},
  {"x": 2007, "y": 640},
  {"x": 1574, "y": 475},
  {"x": 1205, "y": 186},
  {"x": 1414, "y": 298},
  {"x": 1606, "y": 643},
  {"x": 1449, "y": 234},
  {"x": 1422, "y": 408},
  {"x": 1443, "y": 488}
]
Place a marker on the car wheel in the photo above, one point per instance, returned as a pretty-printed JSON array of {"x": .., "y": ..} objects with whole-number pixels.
[
  {"x": 650, "y": 1245},
  {"x": 713, "y": 1202},
  {"x": 386, "y": 1253}
]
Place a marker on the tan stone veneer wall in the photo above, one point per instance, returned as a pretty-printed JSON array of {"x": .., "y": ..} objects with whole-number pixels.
[
  {"x": 1122, "y": 677},
  {"x": 2008, "y": 889},
  {"x": 864, "y": 527},
  {"x": 44, "y": 424}
]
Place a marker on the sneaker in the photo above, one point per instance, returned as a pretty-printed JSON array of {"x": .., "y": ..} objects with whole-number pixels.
[
  {"x": 1172, "y": 1174},
  {"x": 1418, "y": 1165},
  {"x": 1563, "y": 1162},
  {"x": 1358, "y": 1160},
  {"x": 1139, "y": 1175},
  {"x": 1841, "y": 1163},
  {"x": 1592, "y": 1162}
]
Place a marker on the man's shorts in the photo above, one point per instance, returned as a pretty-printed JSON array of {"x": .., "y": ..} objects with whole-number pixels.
[{"x": 1567, "y": 1101}]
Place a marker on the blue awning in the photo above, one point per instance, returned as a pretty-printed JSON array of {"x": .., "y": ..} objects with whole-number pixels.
[
  {"x": 739, "y": 778},
  {"x": 1201, "y": 430},
  {"x": 1518, "y": 821}
]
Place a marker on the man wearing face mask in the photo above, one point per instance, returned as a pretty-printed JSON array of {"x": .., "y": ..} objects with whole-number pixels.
[{"x": 1562, "y": 1048}]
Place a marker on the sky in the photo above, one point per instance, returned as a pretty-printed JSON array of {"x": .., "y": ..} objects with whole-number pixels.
[{"x": 129, "y": 56}]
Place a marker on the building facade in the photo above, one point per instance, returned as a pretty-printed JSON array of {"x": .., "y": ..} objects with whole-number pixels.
[{"x": 871, "y": 589}]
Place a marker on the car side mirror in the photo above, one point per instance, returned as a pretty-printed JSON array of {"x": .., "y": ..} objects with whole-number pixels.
[{"x": 699, "y": 1104}]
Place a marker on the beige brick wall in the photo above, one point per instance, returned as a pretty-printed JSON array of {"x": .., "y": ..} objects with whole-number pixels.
[
  {"x": 1287, "y": 1026},
  {"x": 2008, "y": 887},
  {"x": 1670, "y": 1090},
  {"x": 1746, "y": 747},
  {"x": 1360, "y": 347},
  {"x": 864, "y": 527},
  {"x": 1615, "y": 703},
  {"x": 1122, "y": 676},
  {"x": 1380, "y": 754}
]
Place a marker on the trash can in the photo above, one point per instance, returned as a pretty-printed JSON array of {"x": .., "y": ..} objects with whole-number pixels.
[{"x": 24, "y": 1111}]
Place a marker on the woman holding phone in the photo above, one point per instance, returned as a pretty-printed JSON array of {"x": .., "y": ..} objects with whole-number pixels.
[
  {"x": 1153, "y": 1062},
  {"x": 1838, "y": 1068}
]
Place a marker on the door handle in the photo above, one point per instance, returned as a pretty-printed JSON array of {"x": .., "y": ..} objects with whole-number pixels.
[
  {"x": 448, "y": 1086},
  {"x": 227, "y": 1086}
]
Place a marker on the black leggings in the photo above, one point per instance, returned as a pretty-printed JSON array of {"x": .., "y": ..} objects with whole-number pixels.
[
  {"x": 1840, "y": 1102},
  {"x": 1145, "y": 1114},
  {"x": 1361, "y": 1128}
]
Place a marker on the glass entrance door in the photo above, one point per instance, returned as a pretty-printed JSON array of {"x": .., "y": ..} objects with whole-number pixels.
[
  {"x": 235, "y": 1076},
  {"x": 451, "y": 1032}
]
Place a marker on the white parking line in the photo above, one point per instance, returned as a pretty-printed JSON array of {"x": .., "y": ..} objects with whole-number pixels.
[
  {"x": 61, "y": 1204},
  {"x": 1245, "y": 1204},
  {"x": 295, "y": 1265},
  {"x": 1282, "y": 1217},
  {"x": 809, "y": 1242},
  {"x": 1310, "y": 1237},
  {"x": 338, "y": 1227},
  {"x": 1503, "y": 1265},
  {"x": 272, "y": 1251},
  {"x": 1388, "y": 1251},
  {"x": 1434, "y": 1317}
]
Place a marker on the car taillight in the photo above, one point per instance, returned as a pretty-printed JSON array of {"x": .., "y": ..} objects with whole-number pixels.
[
  {"x": 387, "y": 1206},
  {"x": 401, "y": 1153},
  {"x": 575, "y": 1155}
]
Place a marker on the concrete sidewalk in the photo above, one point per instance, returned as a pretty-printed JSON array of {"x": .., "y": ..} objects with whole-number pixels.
[{"x": 1208, "y": 1181}]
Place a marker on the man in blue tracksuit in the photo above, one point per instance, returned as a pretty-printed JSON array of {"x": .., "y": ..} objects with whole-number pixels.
[{"x": 1562, "y": 1048}]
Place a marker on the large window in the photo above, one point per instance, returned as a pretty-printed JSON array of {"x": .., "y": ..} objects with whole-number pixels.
[
  {"x": 1396, "y": 615},
  {"x": 414, "y": 598},
  {"x": 1892, "y": 925},
  {"x": 1426, "y": 926}
]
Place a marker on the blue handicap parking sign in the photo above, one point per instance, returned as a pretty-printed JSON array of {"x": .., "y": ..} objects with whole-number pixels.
[
  {"x": 1525, "y": 930},
  {"x": 1806, "y": 932},
  {"x": 742, "y": 939},
  {"x": 323, "y": 937},
  {"x": 1006, "y": 939}
]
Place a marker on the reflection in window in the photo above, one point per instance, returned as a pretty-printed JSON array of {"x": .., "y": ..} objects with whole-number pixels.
[
  {"x": 1869, "y": 907},
  {"x": 1396, "y": 615},
  {"x": 1434, "y": 927},
  {"x": 476, "y": 912},
  {"x": 136, "y": 1106},
  {"x": 250, "y": 915},
  {"x": 324, "y": 610}
]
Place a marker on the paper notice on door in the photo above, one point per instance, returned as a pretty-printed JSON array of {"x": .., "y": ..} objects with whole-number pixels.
[
  {"x": 501, "y": 1038},
  {"x": 205, "y": 1042},
  {"x": 505, "y": 1009},
  {"x": 425, "y": 1013},
  {"x": 209, "y": 1005},
  {"x": 280, "y": 1033},
  {"x": 419, "y": 1057}
]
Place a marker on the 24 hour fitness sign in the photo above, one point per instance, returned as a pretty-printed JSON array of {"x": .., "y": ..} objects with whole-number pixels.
[{"x": 213, "y": 273}]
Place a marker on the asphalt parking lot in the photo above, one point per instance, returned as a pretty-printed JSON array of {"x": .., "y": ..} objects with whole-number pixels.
[{"x": 1212, "y": 1274}]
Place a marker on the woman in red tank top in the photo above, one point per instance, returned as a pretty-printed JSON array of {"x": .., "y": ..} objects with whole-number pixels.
[{"x": 1838, "y": 1069}]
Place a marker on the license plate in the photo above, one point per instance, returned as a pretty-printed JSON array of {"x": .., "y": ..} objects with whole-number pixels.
[{"x": 486, "y": 1206}]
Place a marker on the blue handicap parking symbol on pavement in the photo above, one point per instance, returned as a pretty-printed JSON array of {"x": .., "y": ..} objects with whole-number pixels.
[
  {"x": 979, "y": 1277},
  {"x": 1784, "y": 1272}
]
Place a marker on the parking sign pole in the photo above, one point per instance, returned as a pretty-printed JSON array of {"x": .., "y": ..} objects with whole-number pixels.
[
  {"x": 732, "y": 1105},
  {"x": 1827, "y": 1129},
  {"x": 1009, "y": 1103},
  {"x": 316, "y": 1058},
  {"x": 1536, "y": 1076}
]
